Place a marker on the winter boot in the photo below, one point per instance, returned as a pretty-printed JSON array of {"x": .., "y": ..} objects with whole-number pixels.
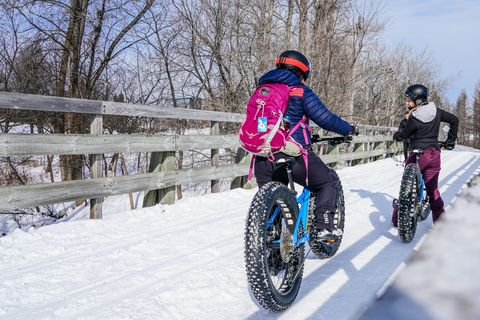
[
  {"x": 325, "y": 235},
  {"x": 395, "y": 211}
]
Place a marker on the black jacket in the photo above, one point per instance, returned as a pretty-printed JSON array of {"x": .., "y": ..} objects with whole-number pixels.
[{"x": 423, "y": 125}]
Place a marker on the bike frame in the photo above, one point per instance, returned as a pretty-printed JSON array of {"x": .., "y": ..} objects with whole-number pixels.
[
  {"x": 417, "y": 152},
  {"x": 303, "y": 200},
  {"x": 421, "y": 176}
]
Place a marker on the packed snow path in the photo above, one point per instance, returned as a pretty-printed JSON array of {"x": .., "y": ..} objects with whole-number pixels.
[{"x": 185, "y": 261}]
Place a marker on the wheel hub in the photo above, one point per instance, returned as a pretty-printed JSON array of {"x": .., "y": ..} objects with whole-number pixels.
[{"x": 286, "y": 246}]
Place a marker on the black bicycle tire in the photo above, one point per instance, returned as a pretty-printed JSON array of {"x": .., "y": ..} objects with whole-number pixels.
[
  {"x": 324, "y": 251},
  {"x": 257, "y": 250},
  {"x": 408, "y": 203}
]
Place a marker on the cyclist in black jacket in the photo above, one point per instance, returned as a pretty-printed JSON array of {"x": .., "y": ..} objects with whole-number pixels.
[{"x": 421, "y": 126}]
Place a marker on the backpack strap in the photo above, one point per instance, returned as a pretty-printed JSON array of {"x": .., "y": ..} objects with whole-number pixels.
[
  {"x": 251, "y": 168},
  {"x": 296, "y": 92},
  {"x": 304, "y": 152},
  {"x": 303, "y": 125}
]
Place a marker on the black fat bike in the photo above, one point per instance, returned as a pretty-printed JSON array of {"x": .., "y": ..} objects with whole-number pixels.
[{"x": 412, "y": 204}]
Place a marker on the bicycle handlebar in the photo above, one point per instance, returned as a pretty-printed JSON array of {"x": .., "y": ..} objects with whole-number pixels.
[{"x": 331, "y": 140}]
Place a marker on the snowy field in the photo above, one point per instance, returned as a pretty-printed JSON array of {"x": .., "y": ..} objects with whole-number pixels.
[{"x": 185, "y": 261}]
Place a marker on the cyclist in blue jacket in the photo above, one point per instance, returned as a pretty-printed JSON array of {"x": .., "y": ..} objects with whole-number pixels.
[{"x": 293, "y": 69}]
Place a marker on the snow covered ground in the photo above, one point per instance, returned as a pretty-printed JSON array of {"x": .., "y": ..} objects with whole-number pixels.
[{"x": 185, "y": 261}]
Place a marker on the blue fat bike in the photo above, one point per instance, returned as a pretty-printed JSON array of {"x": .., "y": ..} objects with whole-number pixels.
[
  {"x": 413, "y": 202},
  {"x": 278, "y": 225}
]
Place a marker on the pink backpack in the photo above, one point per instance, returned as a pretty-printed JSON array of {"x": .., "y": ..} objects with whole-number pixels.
[{"x": 264, "y": 131}]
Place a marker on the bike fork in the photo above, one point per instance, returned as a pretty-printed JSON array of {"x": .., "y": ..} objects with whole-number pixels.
[{"x": 421, "y": 189}]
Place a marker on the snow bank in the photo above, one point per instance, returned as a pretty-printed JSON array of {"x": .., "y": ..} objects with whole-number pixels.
[{"x": 441, "y": 281}]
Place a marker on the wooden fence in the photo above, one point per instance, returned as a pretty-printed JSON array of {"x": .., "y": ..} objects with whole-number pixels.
[{"x": 377, "y": 143}]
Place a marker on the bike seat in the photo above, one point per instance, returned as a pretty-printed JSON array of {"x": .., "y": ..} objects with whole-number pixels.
[
  {"x": 418, "y": 151},
  {"x": 285, "y": 162}
]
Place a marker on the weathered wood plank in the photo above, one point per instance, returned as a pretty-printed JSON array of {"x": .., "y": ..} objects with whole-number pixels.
[
  {"x": 11, "y": 100},
  {"x": 189, "y": 142},
  {"x": 207, "y": 173},
  {"x": 16, "y": 144},
  {"x": 373, "y": 138},
  {"x": 355, "y": 155},
  {"x": 19, "y": 197},
  {"x": 12, "y": 144},
  {"x": 126, "y": 109},
  {"x": 376, "y": 128},
  {"x": 20, "y": 101}
]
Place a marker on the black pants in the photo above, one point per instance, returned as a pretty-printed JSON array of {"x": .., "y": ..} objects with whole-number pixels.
[{"x": 320, "y": 179}]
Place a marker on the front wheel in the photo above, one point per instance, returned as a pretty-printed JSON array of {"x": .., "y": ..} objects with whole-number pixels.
[
  {"x": 274, "y": 266},
  {"x": 325, "y": 250},
  {"x": 408, "y": 203}
]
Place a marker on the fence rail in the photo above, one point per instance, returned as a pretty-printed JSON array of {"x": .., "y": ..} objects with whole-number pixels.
[{"x": 371, "y": 146}]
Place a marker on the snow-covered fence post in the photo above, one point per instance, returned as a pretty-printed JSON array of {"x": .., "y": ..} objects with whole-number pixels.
[{"x": 96, "y": 127}]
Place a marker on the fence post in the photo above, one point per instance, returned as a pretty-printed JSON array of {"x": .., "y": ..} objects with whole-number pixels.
[
  {"x": 215, "y": 130},
  {"x": 333, "y": 150},
  {"x": 390, "y": 145},
  {"x": 358, "y": 147},
  {"x": 242, "y": 182},
  {"x": 377, "y": 146},
  {"x": 160, "y": 161},
  {"x": 96, "y": 127}
]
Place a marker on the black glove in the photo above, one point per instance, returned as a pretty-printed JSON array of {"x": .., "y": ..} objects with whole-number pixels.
[
  {"x": 354, "y": 131},
  {"x": 395, "y": 136},
  {"x": 449, "y": 144}
]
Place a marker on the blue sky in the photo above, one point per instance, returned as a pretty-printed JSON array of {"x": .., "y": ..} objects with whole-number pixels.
[{"x": 450, "y": 30}]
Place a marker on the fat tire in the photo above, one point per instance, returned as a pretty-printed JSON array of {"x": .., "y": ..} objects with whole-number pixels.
[
  {"x": 263, "y": 262},
  {"x": 408, "y": 203},
  {"x": 322, "y": 250}
]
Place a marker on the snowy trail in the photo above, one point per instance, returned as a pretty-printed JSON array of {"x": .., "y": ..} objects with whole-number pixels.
[{"x": 185, "y": 261}]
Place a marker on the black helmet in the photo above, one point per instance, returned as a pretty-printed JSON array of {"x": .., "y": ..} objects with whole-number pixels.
[
  {"x": 294, "y": 61},
  {"x": 417, "y": 93}
]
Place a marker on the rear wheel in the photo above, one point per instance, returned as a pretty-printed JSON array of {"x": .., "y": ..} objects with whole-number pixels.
[
  {"x": 274, "y": 266},
  {"x": 325, "y": 250},
  {"x": 408, "y": 203}
]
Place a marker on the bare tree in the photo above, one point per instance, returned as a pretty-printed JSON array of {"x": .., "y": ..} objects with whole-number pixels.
[{"x": 461, "y": 113}]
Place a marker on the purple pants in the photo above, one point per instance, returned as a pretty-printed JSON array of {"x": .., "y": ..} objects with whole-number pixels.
[
  {"x": 429, "y": 164},
  {"x": 321, "y": 178}
]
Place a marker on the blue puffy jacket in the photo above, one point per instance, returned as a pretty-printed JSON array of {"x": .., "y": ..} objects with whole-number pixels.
[{"x": 307, "y": 105}]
